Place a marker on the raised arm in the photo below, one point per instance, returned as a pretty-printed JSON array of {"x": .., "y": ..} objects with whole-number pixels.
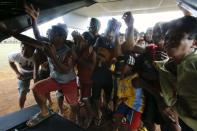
[
  {"x": 130, "y": 44},
  {"x": 28, "y": 40},
  {"x": 129, "y": 20},
  {"x": 79, "y": 40},
  {"x": 33, "y": 13}
]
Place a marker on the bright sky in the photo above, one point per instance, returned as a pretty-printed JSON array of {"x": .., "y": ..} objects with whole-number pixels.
[{"x": 141, "y": 23}]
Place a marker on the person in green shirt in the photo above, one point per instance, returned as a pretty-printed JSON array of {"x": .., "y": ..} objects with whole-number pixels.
[{"x": 181, "y": 70}]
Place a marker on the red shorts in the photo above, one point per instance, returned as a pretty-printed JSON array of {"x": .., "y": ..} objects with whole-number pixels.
[
  {"x": 69, "y": 89},
  {"x": 86, "y": 90}
]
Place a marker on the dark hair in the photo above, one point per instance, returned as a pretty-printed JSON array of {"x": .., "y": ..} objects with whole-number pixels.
[
  {"x": 148, "y": 38},
  {"x": 178, "y": 29},
  {"x": 159, "y": 31},
  {"x": 27, "y": 46},
  {"x": 61, "y": 29}
]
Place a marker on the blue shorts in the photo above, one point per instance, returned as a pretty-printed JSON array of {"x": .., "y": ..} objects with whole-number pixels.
[{"x": 23, "y": 85}]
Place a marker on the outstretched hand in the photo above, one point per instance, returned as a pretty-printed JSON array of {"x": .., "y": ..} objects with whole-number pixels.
[
  {"x": 128, "y": 18},
  {"x": 31, "y": 11},
  {"x": 75, "y": 34},
  {"x": 78, "y": 38}
]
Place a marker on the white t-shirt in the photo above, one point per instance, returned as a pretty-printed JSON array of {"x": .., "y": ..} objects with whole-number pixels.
[{"x": 25, "y": 64}]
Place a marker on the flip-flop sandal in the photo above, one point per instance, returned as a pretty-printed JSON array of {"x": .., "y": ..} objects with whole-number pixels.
[{"x": 38, "y": 118}]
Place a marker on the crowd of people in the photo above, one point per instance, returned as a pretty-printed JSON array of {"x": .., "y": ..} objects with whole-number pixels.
[{"x": 136, "y": 80}]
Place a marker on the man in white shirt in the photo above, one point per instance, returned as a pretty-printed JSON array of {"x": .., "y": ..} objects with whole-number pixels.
[{"x": 24, "y": 71}]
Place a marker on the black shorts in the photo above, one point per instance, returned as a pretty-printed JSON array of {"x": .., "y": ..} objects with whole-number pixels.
[
  {"x": 102, "y": 80},
  {"x": 151, "y": 110}
]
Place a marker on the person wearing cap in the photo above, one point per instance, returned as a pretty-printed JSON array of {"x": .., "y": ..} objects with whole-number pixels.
[
  {"x": 130, "y": 103},
  {"x": 131, "y": 99}
]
